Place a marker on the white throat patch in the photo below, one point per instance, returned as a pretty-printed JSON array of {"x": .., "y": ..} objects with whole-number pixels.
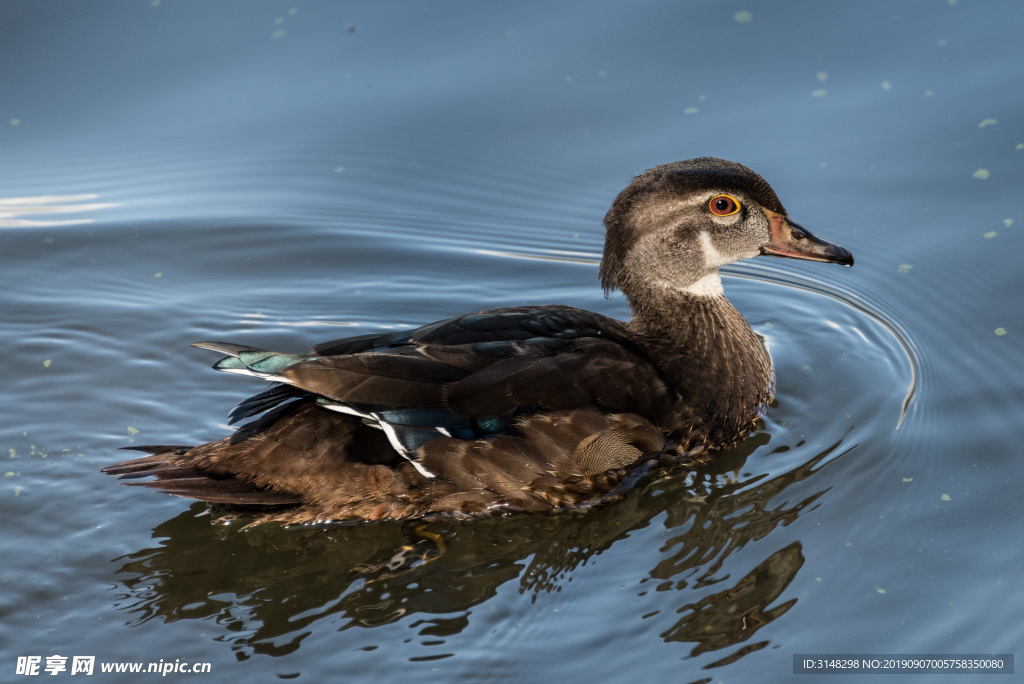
[{"x": 707, "y": 286}]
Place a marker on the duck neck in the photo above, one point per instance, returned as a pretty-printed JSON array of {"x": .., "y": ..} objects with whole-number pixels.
[{"x": 709, "y": 353}]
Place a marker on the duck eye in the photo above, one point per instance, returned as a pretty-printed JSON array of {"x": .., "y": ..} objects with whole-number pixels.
[{"x": 723, "y": 205}]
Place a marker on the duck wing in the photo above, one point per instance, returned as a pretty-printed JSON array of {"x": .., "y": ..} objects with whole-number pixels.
[{"x": 467, "y": 377}]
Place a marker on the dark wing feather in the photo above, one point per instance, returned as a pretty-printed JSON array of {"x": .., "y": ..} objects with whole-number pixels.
[
  {"x": 273, "y": 396},
  {"x": 471, "y": 376},
  {"x": 461, "y": 373},
  {"x": 521, "y": 323},
  {"x": 380, "y": 378},
  {"x": 571, "y": 374},
  {"x": 361, "y": 343}
]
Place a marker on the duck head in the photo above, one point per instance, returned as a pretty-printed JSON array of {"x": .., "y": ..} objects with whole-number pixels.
[{"x": 676, "y": 224}]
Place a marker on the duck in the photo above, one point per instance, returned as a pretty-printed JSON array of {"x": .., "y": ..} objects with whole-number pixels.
[{"x": 522, "y": 409}]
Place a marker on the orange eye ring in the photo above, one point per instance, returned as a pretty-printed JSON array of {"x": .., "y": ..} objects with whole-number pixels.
[{"x": 724, "y": 205}]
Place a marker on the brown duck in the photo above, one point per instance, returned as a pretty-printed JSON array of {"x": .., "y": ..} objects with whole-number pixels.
[{"x": 531, "y": 408}]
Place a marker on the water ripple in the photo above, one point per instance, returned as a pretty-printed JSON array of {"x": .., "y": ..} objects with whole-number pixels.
[{"x": 873, "y": 310}]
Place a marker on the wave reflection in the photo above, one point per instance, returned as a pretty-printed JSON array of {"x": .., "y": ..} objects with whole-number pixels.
[{"x": 11, "y": 209}]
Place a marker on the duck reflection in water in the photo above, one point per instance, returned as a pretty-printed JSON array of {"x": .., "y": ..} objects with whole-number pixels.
[{"x": 271, "y": 587}]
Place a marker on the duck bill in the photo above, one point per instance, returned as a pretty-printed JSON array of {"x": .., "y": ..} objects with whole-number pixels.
[{"x": 793, "y": 241}]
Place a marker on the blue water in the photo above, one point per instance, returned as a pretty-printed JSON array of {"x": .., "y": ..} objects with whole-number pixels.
[{"x": 284, "y": 173}]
